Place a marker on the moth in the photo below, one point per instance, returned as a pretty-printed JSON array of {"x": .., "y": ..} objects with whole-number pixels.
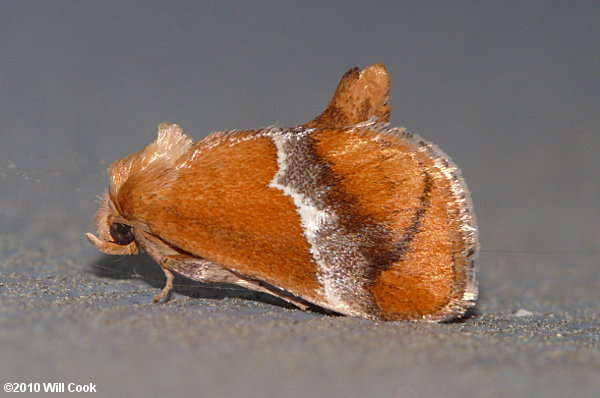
[{"x": 343, "y": 212}]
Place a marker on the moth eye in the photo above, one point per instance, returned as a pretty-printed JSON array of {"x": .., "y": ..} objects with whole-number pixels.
[{"x": 121, "y": 233}]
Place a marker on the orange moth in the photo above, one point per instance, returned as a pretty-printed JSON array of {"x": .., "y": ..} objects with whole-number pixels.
[{"x": 343, "y": 212}]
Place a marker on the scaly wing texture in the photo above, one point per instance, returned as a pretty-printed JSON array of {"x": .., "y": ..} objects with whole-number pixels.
[
  {"x": 412, "y": 188},
  {"x": 359, "y": 97},
  {"x": 217, "y": 204},
  {"x": 343, "y": 211},
  {"x": 399, "y": 204}
]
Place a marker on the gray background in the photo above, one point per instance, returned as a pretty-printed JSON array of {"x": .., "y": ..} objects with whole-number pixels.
[{"x": 511, "y": 90}]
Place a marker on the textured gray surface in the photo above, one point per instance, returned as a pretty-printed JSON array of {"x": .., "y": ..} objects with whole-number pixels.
[{"x": 510, "y": 91}]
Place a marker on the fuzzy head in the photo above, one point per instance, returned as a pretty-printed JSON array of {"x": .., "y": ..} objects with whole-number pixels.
[{"x": 115, "y": 232}]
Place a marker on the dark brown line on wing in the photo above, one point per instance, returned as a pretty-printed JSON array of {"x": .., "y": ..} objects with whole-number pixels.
[
  {"x": 377, "y": 244},
  {"x": 400, "y": 248},
  {"x": 355, "y": 243},
  {"x": 371, "y": 237},
  {"x": 375, "y": 237},
  {"x": 413, "y": 229}
]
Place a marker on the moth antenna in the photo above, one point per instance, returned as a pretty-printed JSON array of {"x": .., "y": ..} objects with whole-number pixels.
[
  {"x": 110, "y": 247},
  {"x": 360, "y": 96}
]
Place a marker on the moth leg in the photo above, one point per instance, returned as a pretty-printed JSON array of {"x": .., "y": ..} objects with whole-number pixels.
[
  {"x": 160, "y": 252},
  {"x": 168, "y": 285},
  {"x": 202, "y": 270},
  {"x": 199, "y": 269}
]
